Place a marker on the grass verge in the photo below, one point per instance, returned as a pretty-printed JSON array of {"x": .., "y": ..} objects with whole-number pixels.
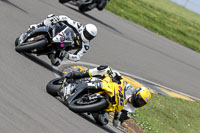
[
  {"x": 168, "y": 115},
  {"x": 163, "y": 17}
]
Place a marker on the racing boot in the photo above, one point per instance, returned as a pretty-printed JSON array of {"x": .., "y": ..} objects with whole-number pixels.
[
  {"x": 54, "y": 60},
  {"x": 102, "y": 118}
]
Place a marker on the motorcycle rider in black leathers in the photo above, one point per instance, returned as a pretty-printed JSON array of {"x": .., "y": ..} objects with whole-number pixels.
[{"x": 86, "y": 34}]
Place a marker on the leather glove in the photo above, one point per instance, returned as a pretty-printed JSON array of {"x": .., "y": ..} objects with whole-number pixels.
[
  {"x": 112, "y": 73},
  {"x": 109, "y": 71}
]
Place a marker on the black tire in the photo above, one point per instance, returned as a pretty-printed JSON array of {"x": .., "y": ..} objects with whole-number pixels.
[
  {"x": 95, "y": 107},
  {"x": 16, "y": 41},
  {"x": 101, "y": 6},
  {"x": 28, "y": 47},
  {"x": 53, "y": 86},
  {"x": 83, "y": 8},
  {"x": 63, "y": 1}
]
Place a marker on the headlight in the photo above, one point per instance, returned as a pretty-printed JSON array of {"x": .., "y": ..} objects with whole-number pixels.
[{"x": 31, "y": 39}]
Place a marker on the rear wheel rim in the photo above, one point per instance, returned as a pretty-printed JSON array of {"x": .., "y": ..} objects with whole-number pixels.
[{"x": 85, "y": 102}]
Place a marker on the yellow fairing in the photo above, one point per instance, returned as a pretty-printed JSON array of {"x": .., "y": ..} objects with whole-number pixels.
[{"x": 115, "y": 91}]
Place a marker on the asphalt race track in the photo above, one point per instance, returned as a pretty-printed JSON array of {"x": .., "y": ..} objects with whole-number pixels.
[{"x": 24, "y": 104}]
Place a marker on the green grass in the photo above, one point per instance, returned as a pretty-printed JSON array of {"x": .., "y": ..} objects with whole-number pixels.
[
  {"x": 164, "y": 114},
  {"x": 163, "y": 17},
  {"x": 169, "y": 115}
]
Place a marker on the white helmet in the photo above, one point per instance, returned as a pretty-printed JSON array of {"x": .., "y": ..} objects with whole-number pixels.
[{"x": 89, "y": 32}]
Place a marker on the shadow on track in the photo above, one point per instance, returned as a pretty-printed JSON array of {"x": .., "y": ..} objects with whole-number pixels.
[
  {"x": 95, "y": 19},
  {"x": 90, "y": 119},
  {"x": 106, "y": 128},
  {"x": 42, "y": 63},
  {"x": 10, "y": 3}
]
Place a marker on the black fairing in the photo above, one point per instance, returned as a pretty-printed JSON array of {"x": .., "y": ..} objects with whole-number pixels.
[
  {"x": 56, "y": 29},
  {"x": 47, "y": 33},
  {"x": 34, "y": 32},
  {"x": 79, "y": 89}
]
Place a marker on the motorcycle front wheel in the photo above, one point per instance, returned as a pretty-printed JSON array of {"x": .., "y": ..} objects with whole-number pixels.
[
  {"x": 28, "y": 46},
  {"x": 53, "y": 86}
]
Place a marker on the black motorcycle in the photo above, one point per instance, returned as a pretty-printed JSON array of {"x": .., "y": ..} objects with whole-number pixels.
[
  {"x": 86, "y": 5},
  {"x": 83, "y": 99},
  {"x": 46, "y": 39}
]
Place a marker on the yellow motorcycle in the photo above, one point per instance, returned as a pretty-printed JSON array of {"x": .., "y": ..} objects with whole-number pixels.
[{"x": 86, "y": 100}]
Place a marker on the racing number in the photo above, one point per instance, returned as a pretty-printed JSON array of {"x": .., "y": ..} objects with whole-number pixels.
[{"x": 121, "y": 98}]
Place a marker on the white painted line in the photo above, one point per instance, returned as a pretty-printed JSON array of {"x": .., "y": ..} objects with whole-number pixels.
[{"x": 130, "y": 75}]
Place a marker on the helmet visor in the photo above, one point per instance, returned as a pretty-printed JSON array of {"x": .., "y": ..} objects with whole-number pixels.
[
  {"x": 87, "y": 35},
  {"x": 138, "y": 101}
]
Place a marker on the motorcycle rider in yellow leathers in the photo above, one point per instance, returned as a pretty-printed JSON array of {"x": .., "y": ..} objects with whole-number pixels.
[{"x": 129, "y": 97}]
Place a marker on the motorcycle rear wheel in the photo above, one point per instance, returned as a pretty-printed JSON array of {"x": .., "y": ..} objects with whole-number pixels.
[
  {"x": 99, "y": 105},
  {"x": 27, "y": 47},
  {"x": 53, "y": 86}
]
